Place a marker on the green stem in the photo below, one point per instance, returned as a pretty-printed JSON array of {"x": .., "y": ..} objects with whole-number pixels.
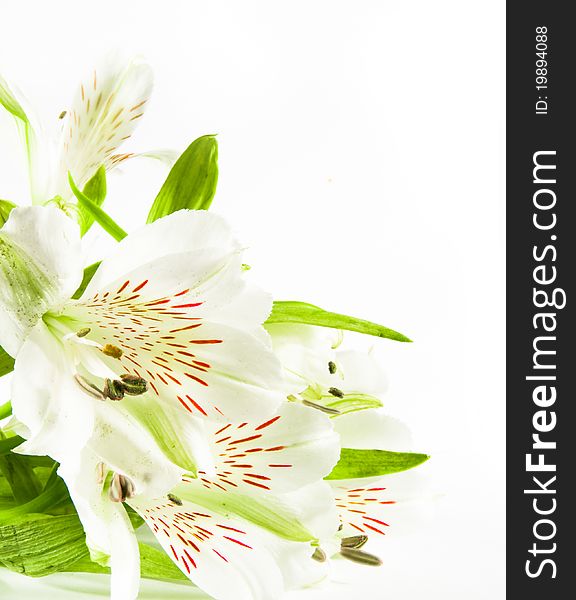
[{"x": 5, "y": 409}]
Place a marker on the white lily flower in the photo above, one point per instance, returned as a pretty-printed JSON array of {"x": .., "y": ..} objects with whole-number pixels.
[
  {"x": 246, "y": 530},
  {"x": 340, "y": 381},
  {"x": 107, "y": 108},
  {"x": 167, "y": 318},
  {"x": 350, "y": 382}
]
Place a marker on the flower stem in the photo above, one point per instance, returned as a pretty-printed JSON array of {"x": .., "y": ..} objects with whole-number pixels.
[{"x": 5, "y": 409}]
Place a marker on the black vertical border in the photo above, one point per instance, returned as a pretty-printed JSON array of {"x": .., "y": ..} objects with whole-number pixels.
[{"x": 528, "y": 133}]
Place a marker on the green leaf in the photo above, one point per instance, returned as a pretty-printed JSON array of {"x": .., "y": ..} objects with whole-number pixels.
[
  {"x": 288, "y": 311},
  {"x": 7, "y": 444},
  {"x": 154, "y": 564},
  {"x": 191, "y": 182},
  {"x": 95, "y": 190},
  {"x": 20, "y": 476},
  {"x": 55, "y": 494},
  {"x": 38, "y": 545},
  {"x": 105, "y": 221},
  {"x": 373, "y": 463},
  {"x": 89, "y": 272},
  {"x": 6, "y": 362},
  {"x": 6, "y": 208}
]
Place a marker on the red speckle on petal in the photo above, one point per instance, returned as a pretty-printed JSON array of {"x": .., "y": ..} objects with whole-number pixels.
[
  {"x": 139, "y": 287},
  {"x": 191, "y": 305},
  {"x": 123, "y": 287},
  {"x": 267, "y": 423},
  {"x": 238, "y": 542},
  {"x": 174, "y": 552}
]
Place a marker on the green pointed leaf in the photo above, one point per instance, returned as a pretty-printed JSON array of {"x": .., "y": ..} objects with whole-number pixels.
[
  {"x": 6, "y": 208},
  {"x": 20, "y": 476},
  {"x": 288, "y": 311},
  {"x": 191, "y": 182},
  {"x": 374, "y": 463},
  {"x": 38, "y": 544},
  {"x": 154, "y": 564},
  {"x": 6, "y": 445},
  {"x": 95, "y": 190},
  {"x": 102, "y": 218},
  {"x": 5, "y": 410},
  {"x": 55, "y": 494},
  {"x": 6, "y": 362},
  {"x": 89, "y": 272}
]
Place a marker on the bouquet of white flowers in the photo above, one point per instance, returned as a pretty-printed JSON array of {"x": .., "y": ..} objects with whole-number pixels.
[{"x": 160, "y": 388}]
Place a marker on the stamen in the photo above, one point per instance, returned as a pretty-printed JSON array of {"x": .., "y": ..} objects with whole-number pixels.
[
  {"x": 175, "y": 499},
  {"x": 336, "y": 392},
  {"x": 332, "y": 367},
  {"x": 89, "y": 387},
  {"x": 62, "y": 114},
  {"x": 133, "y": 385},
  {"x": 113, "y": 389},
  {"x": 354, "y": 541},
  {"x": 83, "y": 332},
  {"x": 121, "y": 488},
  {"x": 324, "y": 409},
  {"x": 111, "y": 350},
  {"x": 319, "y": 555},
  {"x": 100, "y": 473},
  {"x": 361, "y": 557}
]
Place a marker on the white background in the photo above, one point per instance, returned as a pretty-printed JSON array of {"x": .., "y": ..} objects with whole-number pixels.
[{"x": 361, "y": 155}]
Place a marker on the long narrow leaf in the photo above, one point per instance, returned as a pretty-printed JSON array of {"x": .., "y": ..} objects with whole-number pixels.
[
  {"x": 6, "y": 362},
  {"x": 105, "y": 221},
  {"x": 354, "y": 463},
  {"x": 288, "y": 311},
  {"x": 95, "y": 190}
]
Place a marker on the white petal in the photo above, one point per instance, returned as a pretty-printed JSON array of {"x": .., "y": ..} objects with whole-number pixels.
[
  {"x": 128, "y": 448},
  {"x": 404, "y": 501},
  {"x": 165, "y": 155},
  {"x": 40, "y": 267},
  {"x": 38, "y": 147},
  {"x": 107, "y": 108},
  {"x": 361, "y": 372},
  {"x": 296, "y": 447},
  {"x": 109, "y": 532},
  {"x": 304, "y": 352},
  {"x": 47, "y": 400},
  {"x": 314, "y": 506},
  {"x": 180, "y": 436},
  {"x": 364, "y": 509},
  {"x": 227, "y": 557},
  {"x": 186, "y": 321},
  {"x": 206, "y": 369},
  {"x": 62, "y": 418},
  {"x": 178, "y": 233},
  {"x": 373, "y": 429}
]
